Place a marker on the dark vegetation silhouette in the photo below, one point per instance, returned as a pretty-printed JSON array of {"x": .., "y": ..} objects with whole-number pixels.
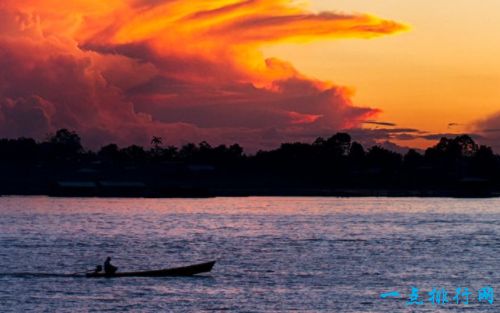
[{"x": 335, "y": 166}]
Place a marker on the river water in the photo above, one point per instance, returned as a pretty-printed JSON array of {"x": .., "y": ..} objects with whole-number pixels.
[{"x": 273, "y": 254}]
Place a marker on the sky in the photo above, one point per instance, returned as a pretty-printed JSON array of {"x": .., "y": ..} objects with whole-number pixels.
[{"x": 256, "y": 72}]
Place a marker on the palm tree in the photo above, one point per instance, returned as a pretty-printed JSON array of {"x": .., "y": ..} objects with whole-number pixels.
[{"x": 156, "y": 141}]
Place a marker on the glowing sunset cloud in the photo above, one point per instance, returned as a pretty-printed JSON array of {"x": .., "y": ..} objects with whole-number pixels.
[
  {"x": 444, "y": 71},
  {"x": 186, "y": 70}
]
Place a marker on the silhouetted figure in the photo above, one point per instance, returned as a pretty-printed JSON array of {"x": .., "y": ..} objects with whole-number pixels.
[
  {"x": 109, "y": 268},
  {"x": 98, "y": 269}
]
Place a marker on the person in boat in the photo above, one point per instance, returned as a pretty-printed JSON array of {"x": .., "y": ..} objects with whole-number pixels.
[
  {"x": 98, "y": 269},
  {"x": 109, "y": 268}
]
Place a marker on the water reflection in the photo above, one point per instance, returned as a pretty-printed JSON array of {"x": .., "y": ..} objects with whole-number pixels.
[{"x": 274, "y": 254}]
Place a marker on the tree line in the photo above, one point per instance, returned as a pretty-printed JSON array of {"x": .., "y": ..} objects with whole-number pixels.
[{"x": 332, "y": 162}]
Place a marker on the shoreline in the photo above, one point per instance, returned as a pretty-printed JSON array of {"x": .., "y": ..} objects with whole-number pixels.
[{"x": 201, "y": 193}]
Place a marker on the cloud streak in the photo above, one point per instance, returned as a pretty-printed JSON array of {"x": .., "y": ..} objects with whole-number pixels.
[
  {"x": 126, "y": 70},
  {"x": 379, "y": 123}
]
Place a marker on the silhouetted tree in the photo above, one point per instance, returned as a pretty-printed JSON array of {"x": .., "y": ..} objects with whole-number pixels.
[
  {"x": 485, "y": 163},
  {"x": 450, "y": 159},
  {"x": 188, "y": 152},
  {"x": 170, "y": 153},
  {"x": 135, "y": 153},
  {"x": 339, "y": 144},
  {"x": 65, "y": 144},
  {"x": 466, "y": 145},
  {"x": 413, "y": 163},
  {"x": 357, "y": 152},
  {"x": 452, "y": 149},
  {"x": 19, "y": 150},
  {"x": 413, "y": 159},
  {"x": 384, "y": 160},
  {"x": 156, "y": 153},
  {"x": 320, "y": 141},
  {"x": 156, "y": 141},
  {"x": 109, "y": 153},
  {"x": 236, "y": 150}
]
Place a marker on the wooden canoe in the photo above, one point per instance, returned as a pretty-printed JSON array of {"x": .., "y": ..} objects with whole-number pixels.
[{"x": 177, "y": 271}]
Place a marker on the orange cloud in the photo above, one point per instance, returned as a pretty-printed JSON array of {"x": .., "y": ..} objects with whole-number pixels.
[{"x": 185, "y": 70}]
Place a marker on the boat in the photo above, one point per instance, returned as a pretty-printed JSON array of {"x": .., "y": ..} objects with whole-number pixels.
[{"x": 177, "y": 271}]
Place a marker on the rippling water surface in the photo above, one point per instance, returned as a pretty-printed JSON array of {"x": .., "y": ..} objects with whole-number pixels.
[{"x": 274, "y": 254}]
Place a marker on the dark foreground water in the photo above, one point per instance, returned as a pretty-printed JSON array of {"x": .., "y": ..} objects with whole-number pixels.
[{"x": 274, "y": 254}]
